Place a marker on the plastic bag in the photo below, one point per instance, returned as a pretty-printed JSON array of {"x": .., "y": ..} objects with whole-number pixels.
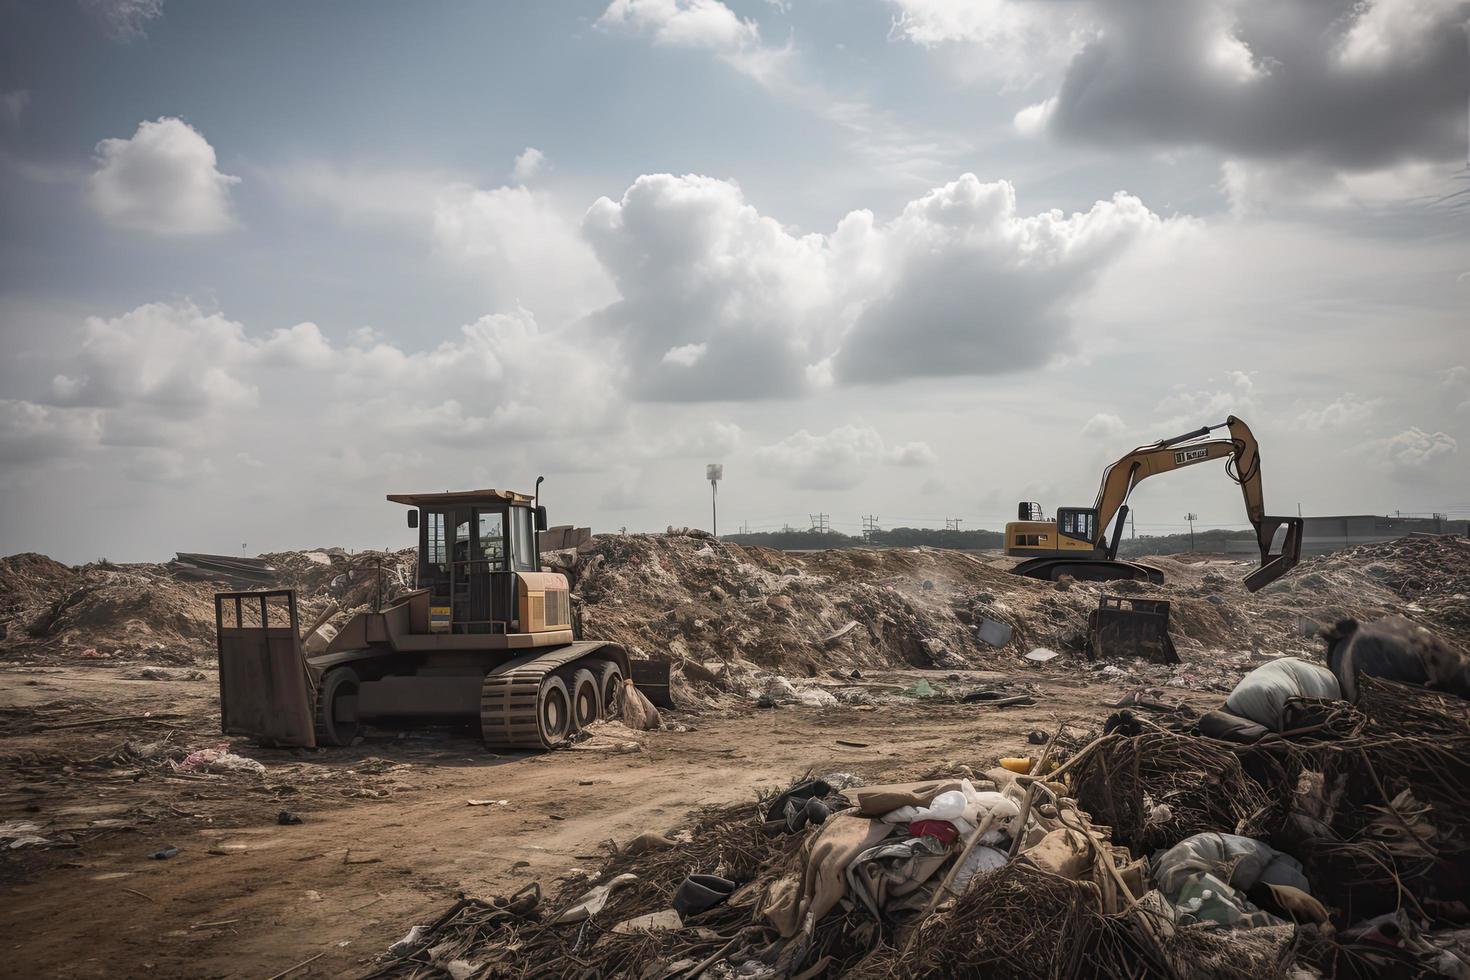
[
  {"x": 639, "y": 713},
  {"x": 1262, "y": 694}
]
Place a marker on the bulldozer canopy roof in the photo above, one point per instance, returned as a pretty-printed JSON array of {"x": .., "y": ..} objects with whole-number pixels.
[{"x": 451, "y": 497}]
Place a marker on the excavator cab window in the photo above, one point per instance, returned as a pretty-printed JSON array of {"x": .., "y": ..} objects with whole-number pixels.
[{"x": 1077, "y": 522}]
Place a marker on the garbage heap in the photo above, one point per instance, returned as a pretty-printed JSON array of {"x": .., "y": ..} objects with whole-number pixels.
[{"x": 1336, "y": 842}]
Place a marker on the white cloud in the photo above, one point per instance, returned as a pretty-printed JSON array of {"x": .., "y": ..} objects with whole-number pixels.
[
  {"x": 840, "y": 459},
  {"x": 703, "y": 24},
  {"x": 958, "y": 283},
  {"x": 1015, "y": 42},
  {"x": 685, "y": 355},
  {"x": 1033, "y": 120},
  {"x": 162, "y": 180},
  {"x": 1413, "y": 450},
  {"x": 162, "y": 358},
  {"x": 524, "y": 246},
  {"x": 528, "y": 164},
  {"x": 1103, "y": 425},
  {"x": 1344, "y": 411},
  {"x": 1188, "y": 407},
  {"x": 123, "y": 20}
]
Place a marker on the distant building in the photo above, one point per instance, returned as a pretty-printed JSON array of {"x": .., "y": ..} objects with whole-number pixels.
[{"x": 1321, "y": 535}]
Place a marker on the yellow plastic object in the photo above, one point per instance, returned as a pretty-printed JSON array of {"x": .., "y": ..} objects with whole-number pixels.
[{"x": 1021, "y": 765}]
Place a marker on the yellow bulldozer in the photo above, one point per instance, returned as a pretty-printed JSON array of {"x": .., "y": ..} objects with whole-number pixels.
[
  {"x": 1077, "y": 542},
  {"x": 485, "y": 636}
]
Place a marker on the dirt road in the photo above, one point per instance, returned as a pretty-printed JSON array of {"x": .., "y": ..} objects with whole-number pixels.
[{"x": 248, "y": 897}]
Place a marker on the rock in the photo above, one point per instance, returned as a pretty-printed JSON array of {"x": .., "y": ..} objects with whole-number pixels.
[
  {"x": 1063, "y": 583},
  {"x": 781, "y": 602}
]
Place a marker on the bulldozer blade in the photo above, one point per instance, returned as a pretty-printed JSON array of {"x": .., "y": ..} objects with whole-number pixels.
[
  {"x": 265, "y": 689},
  {"x": 652, "y": 678},
  {"x": 1275, "y": 566}
]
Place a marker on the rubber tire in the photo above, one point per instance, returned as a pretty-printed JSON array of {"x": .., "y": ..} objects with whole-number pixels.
[
  {"x": 553, "y": 710},
  {"x": 610, "y": 683},
  {"x": 329, "y": 731}
]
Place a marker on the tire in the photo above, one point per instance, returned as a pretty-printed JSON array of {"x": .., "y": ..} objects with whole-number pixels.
[
  {"x": 586, "y": 695},
  {"x": 553, "y": 710},
  {"x": 337, "y": 683},
  {"x": 610, "y": 684}
]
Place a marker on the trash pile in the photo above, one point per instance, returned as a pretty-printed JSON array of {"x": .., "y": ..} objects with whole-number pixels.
[{"x": 1335, "y": 842}]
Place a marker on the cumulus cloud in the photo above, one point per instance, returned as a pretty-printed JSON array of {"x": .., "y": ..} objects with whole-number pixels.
[
  {"x": 172, "y": 378},
  {"x": 123, "y": 20},
  {"x": 1413, "y": 451},
  {"x": 704, "y": 24},
  {"x": 30, "y": 432},
  {"x": 163, "y": 180},
  {"x": 528, "y": 164},
  {"x": 838, "y": 460},
  {"x": 524, "y": 246},
  {"x": 721, "y": 302}
]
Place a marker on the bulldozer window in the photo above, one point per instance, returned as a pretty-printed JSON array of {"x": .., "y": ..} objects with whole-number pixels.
[
  {"x": 492, "y": 537},
  {"x": 434, "y": 552},
  {"x": 523, "y": 538}
]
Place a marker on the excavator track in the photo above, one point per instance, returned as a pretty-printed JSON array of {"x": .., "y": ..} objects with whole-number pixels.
[{"x": 1089, "y": 570}]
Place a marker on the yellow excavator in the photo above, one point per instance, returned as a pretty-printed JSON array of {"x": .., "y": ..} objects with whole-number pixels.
[{"x": 1077, "y": 543}]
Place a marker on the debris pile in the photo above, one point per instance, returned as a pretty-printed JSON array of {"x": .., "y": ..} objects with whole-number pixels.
[{"x": 1337, "y": 846}]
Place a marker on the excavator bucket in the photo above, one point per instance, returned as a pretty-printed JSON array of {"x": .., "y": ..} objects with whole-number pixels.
[
  {"x": 265, "y": 690},
  {"x": 1130, "y": 627},
  {"x": 1277, "y": 565}
]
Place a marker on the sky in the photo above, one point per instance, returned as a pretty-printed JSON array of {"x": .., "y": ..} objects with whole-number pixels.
[{"x": 262, "y": 263}]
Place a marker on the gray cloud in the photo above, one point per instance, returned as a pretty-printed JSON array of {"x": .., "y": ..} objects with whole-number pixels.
[{"x": 1349, "y": 85}]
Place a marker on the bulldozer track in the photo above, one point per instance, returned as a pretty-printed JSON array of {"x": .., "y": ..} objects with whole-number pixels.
[{"x": 510, "y": 708}]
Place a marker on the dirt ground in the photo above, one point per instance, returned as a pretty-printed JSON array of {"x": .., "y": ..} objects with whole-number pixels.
[
  {"x": 107, "y": 686},
  {"x": 388, "y": 837}
]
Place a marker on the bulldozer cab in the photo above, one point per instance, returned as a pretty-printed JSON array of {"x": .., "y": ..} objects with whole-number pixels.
[{"x": 470, "y": 547}]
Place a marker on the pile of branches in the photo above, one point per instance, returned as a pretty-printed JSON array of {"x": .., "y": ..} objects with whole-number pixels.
[
  {"x": 1157, "y": 787},
  {"x": 1394, "y": 829},
  {"x": 721, "y": 840}
]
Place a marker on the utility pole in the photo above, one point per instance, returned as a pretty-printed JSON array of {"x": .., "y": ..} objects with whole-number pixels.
[
  {"x": 1132, "y": 531},
  {"x": 713, "y": 473},
  {"x": 870, "y": 525},
  {"x": 1191, "y": 518},
  {"x": 952, "y": 523},
  {"x": 819, "y": 523}
]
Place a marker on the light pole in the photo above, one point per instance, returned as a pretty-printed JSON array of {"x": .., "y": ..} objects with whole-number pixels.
[
  {"x": 1191, "y": 518},
  {"x": 714, "y": 472}
]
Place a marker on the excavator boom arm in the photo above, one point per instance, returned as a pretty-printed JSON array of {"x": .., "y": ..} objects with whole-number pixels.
[{"x": 1243, "y": 462}]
